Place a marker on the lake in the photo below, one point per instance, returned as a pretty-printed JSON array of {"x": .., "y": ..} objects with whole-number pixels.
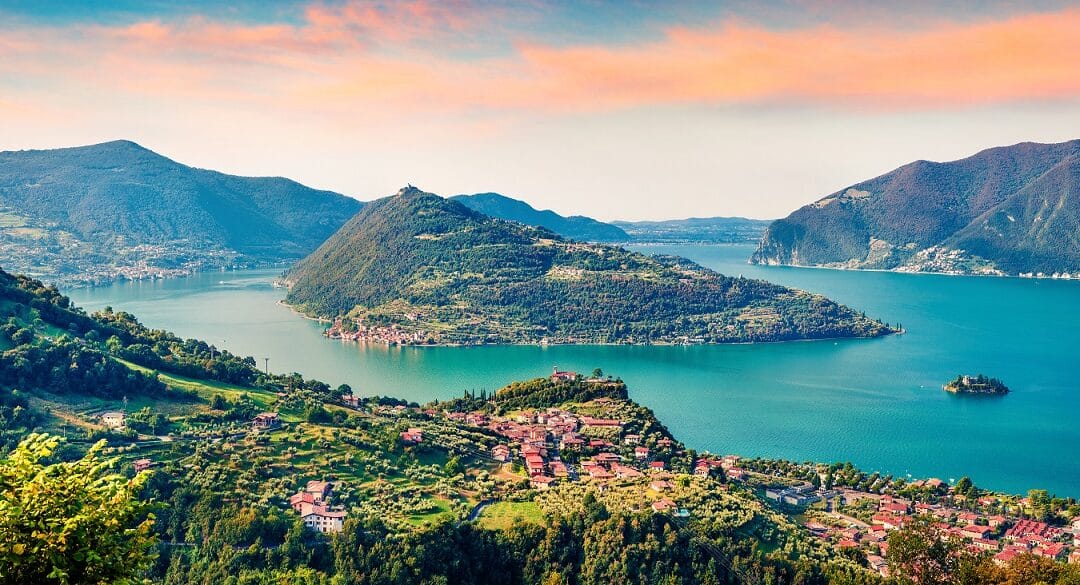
[{"x": 877, "y": 403}]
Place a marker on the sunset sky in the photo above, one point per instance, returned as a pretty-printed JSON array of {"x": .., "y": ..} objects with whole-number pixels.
[{"x": 618, "y": 110}]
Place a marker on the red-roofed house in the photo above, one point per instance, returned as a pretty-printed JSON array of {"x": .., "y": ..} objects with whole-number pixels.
[
  {"x": 1053, "y": 551},
  {"x": 322, "y": 518},
  {"x": 266, "y": 420},
  {"x": 662, "y": 505},
  {"x": 660, "y": 486},
  {"x": 976, "y": 531},
  {"x": 542, "y": 482},
  {"x": 1005, "y": 557},
  {"x": 622, "y": 471}
]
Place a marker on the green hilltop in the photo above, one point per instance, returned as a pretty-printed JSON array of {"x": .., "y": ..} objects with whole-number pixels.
[{"x": 418, "y": 268}]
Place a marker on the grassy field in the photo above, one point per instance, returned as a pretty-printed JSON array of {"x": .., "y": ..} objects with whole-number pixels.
[
  {"x": 502, "y": 515},
  {"x": 207, "y": 389},
  {"x": 441, "y": 508}
]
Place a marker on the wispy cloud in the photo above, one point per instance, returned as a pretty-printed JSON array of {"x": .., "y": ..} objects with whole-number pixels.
[{"x": 387, "y": 54}]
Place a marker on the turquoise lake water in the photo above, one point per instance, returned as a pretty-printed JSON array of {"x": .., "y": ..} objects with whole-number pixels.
[{"x": 877, "y": 403}]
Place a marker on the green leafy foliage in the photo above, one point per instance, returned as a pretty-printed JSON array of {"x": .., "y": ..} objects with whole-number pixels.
[
  {"x": 919, "y": 554},
  {"x": 70, "y": 523}
]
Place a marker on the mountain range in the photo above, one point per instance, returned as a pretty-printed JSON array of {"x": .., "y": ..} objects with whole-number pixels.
[
  {"x": 97, "y": 212},
  {"x": 577, "y": 227},
  {"x": 418, "y": 268},
  {"x": 695, "y": 230},
  {"x": 1006, "y": 211}
]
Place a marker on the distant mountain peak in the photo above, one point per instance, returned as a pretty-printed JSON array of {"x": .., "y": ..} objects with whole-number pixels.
[
  {"x": 121, "y": 143},
  {"x": 410, "y": 190}
]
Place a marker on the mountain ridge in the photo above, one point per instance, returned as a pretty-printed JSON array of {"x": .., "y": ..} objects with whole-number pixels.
[
  {"x": 117, "y": 209},
  {"x": 578, "y": 227},
  {"x": 957, "y": 216}
]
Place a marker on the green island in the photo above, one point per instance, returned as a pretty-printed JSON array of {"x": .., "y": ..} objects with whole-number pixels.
[
  {"x": 979, "y": 384},
  {"x": 129, "y": 454},
  {"x": 418, "y": 269}
]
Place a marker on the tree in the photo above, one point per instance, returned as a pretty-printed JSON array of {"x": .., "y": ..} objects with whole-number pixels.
[
  {"x": 318, "y": 415},
  {"x": 598, "y": 373},
  {"x": 920, "y": 554},
  {"x": 963, "y": 486},
  {"x": 71, "y": 523},
  {"x": 453, "y": 467}
]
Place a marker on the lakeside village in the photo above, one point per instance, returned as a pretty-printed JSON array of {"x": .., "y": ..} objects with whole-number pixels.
[
  {"x": 388, "y": 334},
  {"x": 600, "y": 440}
]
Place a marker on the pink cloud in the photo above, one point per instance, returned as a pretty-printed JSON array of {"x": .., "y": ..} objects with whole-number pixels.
[
  {"x": 1027, "y": 57},
  {"x": 385, "y": 57}
]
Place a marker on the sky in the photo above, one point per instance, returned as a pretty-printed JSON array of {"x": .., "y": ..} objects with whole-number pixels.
[{"x": 613, "y": 109}]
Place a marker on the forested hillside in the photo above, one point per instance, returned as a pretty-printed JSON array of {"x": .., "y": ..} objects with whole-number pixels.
[
  {"x": 115, "y": 210},
  {"x": 1009, "y": 210},
  {"x": 417, "y": 268}
]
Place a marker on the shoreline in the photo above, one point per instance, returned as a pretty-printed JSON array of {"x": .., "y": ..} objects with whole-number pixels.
[
  {"x": 596, "y": 344},
  {"x": 914, "y": 273}
]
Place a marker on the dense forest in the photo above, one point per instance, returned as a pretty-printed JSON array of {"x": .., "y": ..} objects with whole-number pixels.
[
  {"x": 57, "y": 348},
  {"x": 433, "y": 268}
]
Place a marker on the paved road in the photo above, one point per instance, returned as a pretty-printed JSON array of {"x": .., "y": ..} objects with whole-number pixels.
[{"x": 478, "y": 509}]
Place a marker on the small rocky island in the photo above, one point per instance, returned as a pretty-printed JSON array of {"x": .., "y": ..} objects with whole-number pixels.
[{"x": 979, "y": 384}]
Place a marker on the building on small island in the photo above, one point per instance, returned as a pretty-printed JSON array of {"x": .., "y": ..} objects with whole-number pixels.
[
  {"x": 979, "y": 384},
  {"x": 557, "y": 376}
]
